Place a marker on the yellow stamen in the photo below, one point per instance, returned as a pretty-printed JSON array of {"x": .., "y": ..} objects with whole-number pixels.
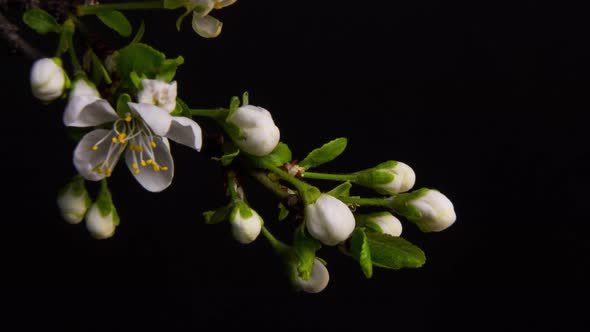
[
  {"x": 128, "y": 118},
  {"x": 136, "y": 171},
  {"x": 149, "y": 161},
  {"x": 153, "y": 144},
  {"x": 143, "y": 163},
  {"x": 164, "y": 168},
  {"x": 122, "y": 137},
  {"x": 156, "y": 167},
  {"x": 218, "y": 5},
  {"x": 134, "y": 166},
  {"x": 94, "y": 148},
  {"x": 108, "y": 172},
  {"x": 99, "y": 170},
  {"x": 114, "y": 140}
]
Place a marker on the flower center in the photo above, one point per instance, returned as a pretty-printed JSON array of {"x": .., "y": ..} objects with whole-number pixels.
[{"x": 132, "y": 133}]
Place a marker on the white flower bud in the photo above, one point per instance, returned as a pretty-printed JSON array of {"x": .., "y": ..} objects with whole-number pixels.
[
  {"x": 261, "y": 135},
  {"x": 246, "y": 224},
  {"x": 100, "y": 226},
  {"x": 436, "y": 211},
  {"x": 82, "y": 88},
  {"x": 318, "y": 280},
  {"x": 391, "y": 177},
  {"x": 386, "y": 222},
  {"x": 329, "y": 220},
  {"x": 48, "y": 79},
  {"x": 73, "y": 203},
  {"x": 158, "y": 93}
]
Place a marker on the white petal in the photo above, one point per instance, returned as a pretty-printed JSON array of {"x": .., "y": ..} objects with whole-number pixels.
[
  {"x": 82, "y": 88},
  {"x": 185, "y": 131},
  {"x": 86, "y": 160},
  {"x": 158, "y": 119},
  {"x": 206, "y": 26},
  {"x": 202, "y": 7},
  {"x": 225, "y": 3},
  {"x": 151, "y": 180},
  {"x": 88, "y": 111}
]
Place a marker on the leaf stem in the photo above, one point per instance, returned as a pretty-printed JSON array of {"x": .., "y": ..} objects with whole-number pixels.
[
  {"x": 326, "y": 176},
  {"x": 275, "y": 187},
  {"x": 385, "y": 202},
  {"x": 279, "y": 246},
  {"x": 93, "y": 9},
  {"x": 216, "y": 113}
]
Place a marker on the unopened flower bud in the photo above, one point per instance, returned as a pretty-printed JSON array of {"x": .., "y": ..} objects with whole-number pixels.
[
  {"x": 260, "y": 134},
  {"x": 48, "y": 79},
  {"x": 429, "y": 209},
  {"x": 383, "y": 222},
  {"x": 329, "y": 220},
  {"x": 102, "y": 217},
  {"x": 317, "y": 281},
  {"x": 246, "y": 224},
  {"x": 158, "y": 93},
  {"x": 73, "y": 201},
  {"x": 390, "y": 177}
]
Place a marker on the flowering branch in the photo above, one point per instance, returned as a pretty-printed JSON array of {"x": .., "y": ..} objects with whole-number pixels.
[{"x": 128, "y": 107}]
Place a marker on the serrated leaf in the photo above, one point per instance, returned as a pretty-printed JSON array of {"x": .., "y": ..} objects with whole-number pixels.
[
  {"x": 115, "y": 20},
  {"x": 324, "y": 154},
  {"x": 217, "y": 216},
  {"x": 41, "y": 21},
  {"x": 283, "y": 212},
  {"x": 341, "y": 190},
  {"x": 305, "y": 247},
  {"x": 394, "y": 252},
  {"x": 279, "y": 156},
  {"x": 360, "y": 250}
]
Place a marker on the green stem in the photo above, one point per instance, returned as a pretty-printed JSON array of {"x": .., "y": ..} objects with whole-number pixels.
[
  {"x": 385, "y": 202},
  {"x": 218, "y": 113},
  {"x": 326, "y": 176},
  {"x": 276, "y": 188},
  {"x": 78, "y": 71},
  {"x": 274, "y": 242},
  {"x": 93, "y": 9},
  {"x": 232, "y": 185}
]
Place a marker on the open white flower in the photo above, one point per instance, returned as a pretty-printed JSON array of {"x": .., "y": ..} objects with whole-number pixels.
[
  {"x": 141, "y": 134},
  {"x": 204, "y": 24}
]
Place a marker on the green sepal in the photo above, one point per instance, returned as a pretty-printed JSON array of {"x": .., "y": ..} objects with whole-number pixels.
[
  {"x": 388, "y": 164},
  {"x": 234, "y": 104},
  {"x": 373, "y": 177},
  {"x": 41, "y": 21},
  {"x": 361, "y": 252},
  {"x": 283, "y": 212},
  {"x": 115, "y": 20},
  {"x": 139, "y": 33},
  {"x": 243, "y": 209},
  {"x": 278, "y": 157},
  {"x": 217, "y": 216},
  {"x": 341, "y": 190},
  {"x": 324, "y": 154},
  {"x": 245, "y": 98},
  {"x": 173, "y": 4},
  {"x": 135, "y": 80},
  {"x": 66, "y": 32},
  {"x": 181, "y": 109},
  {"x": 228, "y": 157},
  {"x": 401, "y": 204},
  {"x": 122, "y": 104},
  {"x": 145, "y": 61},
  {"x": 310, "y": 194},
  {"x": 104, "y": 200},
  {"x": 305, "y": 248},
  {"x": 394, "y": 252}
]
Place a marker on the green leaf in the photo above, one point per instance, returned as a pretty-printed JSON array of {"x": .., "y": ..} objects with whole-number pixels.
[
  {"x": 394, "y": 252},
  {"x": 278, "y": 157},
  {"x": 360, "y": 250},
  {"x": 342, "y": 190},
  {"x": 305, "y": 247},
  {"x": 139, "y": 33},
  {"x": 217, "y": 216},
  {"x": 145, "y": 61},
  {"x": 115, "y": 20},
  {"x": 41, "y": 21},
  {"x": 98, "y": 72},
  {"x": 324, "y": 154},
  {"x": 283, "y": 212},
  {"x": 173, "y": 4}
]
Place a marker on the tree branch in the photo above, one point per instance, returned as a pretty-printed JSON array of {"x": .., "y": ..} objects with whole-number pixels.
[{"x": 9, "y": 32}]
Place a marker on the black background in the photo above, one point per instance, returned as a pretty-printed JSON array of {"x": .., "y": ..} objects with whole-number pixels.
[{"x": 485, "y": 101}]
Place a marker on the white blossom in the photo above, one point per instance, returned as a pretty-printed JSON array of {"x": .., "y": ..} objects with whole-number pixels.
[
  {"x": 436, "y": 211},
  {"x": 204, "y": 24},
  {"x": 329, "y": 220},
  {"x": 48, "y": 79},
  {"x": 246, "y": 224},
  {"x": 260, "y": 134}
]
